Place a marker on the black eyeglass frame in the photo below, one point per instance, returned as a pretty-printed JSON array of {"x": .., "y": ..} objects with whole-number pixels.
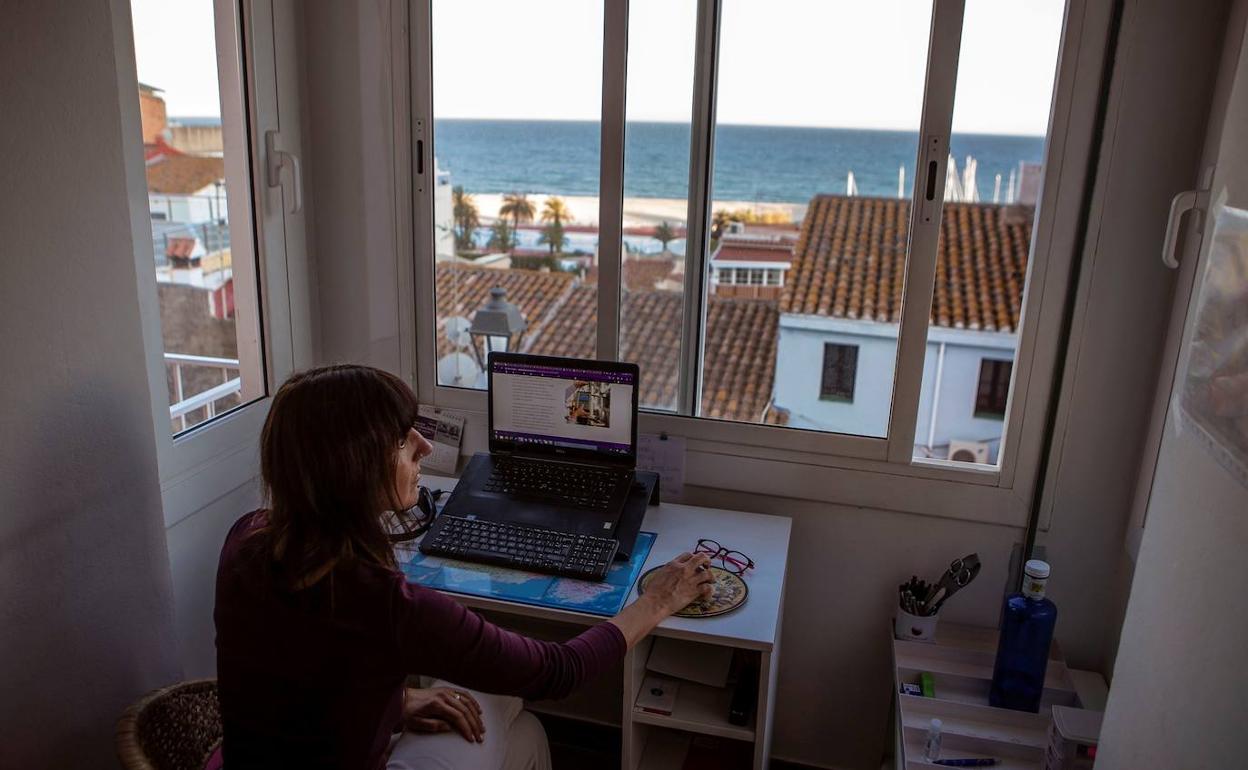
[{"x": 724, "y": 555}]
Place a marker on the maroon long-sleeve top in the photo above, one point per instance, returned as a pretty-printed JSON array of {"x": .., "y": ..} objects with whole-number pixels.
[{"x": 314, "y": 678}]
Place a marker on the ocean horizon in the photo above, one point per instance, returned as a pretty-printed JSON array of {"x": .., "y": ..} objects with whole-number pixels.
[{"x": 764, "y": 164}]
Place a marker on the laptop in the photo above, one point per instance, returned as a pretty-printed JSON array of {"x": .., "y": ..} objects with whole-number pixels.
[{"x": 563, "y": 446}]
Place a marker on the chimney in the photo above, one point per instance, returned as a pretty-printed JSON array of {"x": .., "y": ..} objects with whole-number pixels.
[
  {"x": 152, "y": 113},
  {"x": 1029, "y": 175}
]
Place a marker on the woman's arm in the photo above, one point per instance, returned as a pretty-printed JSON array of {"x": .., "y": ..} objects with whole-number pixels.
[
  {"x": 678, "y": 583},
  {"x": 437, "y": 636}
]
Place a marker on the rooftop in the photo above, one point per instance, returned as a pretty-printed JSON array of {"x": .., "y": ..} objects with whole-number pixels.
[
  {"x": 733, "y": 250},
  {"x": 563, "y": 320},
  {"x": 850, "y": 262},
  {"x": 171, "y": 172}
]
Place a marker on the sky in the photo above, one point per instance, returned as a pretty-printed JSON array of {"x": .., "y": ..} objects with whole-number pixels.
[
  {"x": 826, "y": 63},
  {"x": 175, "y": 50}
]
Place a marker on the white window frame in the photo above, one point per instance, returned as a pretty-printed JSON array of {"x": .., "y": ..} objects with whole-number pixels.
[
  {"x": 766, "y": 459},
  {"x": 255, "y": 38}
]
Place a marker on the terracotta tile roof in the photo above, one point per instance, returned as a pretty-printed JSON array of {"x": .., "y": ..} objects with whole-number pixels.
[
  {"x": 740, "y": 355},
  {"x": 179, "y": 248},
  {"x": 461, "y": 289},
  {"x": 643, "y": 273},
  {"x": 849, "y": 262},
  {"x": 180, "y": 174},
  {"x": 731, "y": 250}
]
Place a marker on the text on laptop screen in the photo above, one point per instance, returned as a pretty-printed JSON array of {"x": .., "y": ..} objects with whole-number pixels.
[{"x": 557, "y": 406}]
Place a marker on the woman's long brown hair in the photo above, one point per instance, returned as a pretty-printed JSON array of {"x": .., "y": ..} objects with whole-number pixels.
[{"x": 327, "y": 456}]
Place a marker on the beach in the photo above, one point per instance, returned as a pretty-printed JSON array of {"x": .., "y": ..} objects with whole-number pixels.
[{"x": 638, "y": 212}]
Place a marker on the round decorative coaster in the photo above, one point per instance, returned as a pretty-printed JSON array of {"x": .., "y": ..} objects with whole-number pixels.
[{"x": 728, "y": 594}]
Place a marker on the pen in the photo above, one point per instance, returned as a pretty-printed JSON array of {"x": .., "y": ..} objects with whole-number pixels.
[{"x": 969, "y": 762}]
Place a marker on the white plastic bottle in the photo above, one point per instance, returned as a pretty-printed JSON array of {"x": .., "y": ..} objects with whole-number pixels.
[{"x": 931, "y": 748}]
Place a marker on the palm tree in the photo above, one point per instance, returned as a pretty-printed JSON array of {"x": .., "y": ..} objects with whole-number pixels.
[
  {"x": 501, "y": 236},
  {"x": 552, "y": 234},
  {"x": 664, "y": 234},
  {"x": 556, "y": 212},
  {"x": 720, "y": 221},
  {"x": 519, "y": 208},
  {"x": 467, "y": 218}
]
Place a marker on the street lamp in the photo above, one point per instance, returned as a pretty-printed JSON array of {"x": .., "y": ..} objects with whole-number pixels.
[{"x": 498, "y": 325}]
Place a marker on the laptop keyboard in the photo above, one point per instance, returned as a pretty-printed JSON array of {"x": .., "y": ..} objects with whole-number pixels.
[
  {"x": 579, "y": 486},
  {"x": 513, "y": 545}
]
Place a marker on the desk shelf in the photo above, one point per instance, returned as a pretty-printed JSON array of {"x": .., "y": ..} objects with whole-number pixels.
[
  {"x": 699, "y": 709},
  {"x": 655, "y": 741}
]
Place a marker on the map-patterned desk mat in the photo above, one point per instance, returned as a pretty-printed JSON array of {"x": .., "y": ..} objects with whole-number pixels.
[{"x": 494, "y": 582}]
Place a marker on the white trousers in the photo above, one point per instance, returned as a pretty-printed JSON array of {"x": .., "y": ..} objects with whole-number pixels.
[{"x": 514, "y": 740}]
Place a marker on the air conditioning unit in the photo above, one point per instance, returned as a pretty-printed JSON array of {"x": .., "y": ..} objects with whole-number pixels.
[{"x": 968, "y": 451}]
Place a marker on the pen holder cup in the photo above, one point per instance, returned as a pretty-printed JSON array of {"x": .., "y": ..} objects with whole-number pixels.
[{"x": 914, "y": 628}]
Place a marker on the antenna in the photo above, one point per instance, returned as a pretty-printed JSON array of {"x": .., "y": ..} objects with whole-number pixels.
[
  {"x": 970, "y": 190},
  {"x": 953, "y": 185}
]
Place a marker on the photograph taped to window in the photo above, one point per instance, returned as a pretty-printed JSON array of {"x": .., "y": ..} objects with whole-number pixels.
[{"x": 203, "y": 250}]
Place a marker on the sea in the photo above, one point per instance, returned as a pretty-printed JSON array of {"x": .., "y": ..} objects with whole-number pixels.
[{"x": 765, "y": 164}]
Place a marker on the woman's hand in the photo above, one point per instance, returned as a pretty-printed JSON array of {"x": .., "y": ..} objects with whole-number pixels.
[
  {"x": 441, "y": 709},
  {"x": 673, "y": 586},
  {"x": 681, "y": 581}
]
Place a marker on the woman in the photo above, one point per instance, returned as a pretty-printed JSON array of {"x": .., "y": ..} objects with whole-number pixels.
[{"x": 317, "y": 630}]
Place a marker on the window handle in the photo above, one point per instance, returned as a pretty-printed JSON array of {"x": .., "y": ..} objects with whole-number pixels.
[
  {"x": 1181, "y": 204},
  {"x": 275, "y": 160}
]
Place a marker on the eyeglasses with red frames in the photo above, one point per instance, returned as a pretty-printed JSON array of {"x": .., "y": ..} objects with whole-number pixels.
[{"x": 732, "y": 561}]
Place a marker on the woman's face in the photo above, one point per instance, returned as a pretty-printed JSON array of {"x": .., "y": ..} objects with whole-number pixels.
[{"x": 411, "y": 451}]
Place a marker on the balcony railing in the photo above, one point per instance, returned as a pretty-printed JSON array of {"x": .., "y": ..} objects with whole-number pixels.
[{"x": 206, "y": 400}]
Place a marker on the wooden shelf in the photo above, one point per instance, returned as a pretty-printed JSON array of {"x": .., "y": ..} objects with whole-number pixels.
[
  {"x": 699, "y": 709},
  {"x": 960, "y": 661}
]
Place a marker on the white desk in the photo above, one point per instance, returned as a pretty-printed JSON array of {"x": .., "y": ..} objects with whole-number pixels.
[{"x": 646, "y": 738}]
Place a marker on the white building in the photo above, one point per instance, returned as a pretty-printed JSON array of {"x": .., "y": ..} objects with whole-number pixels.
[
  {"x": 751, "y": 262},
  {"x": 837, "y": 346}
]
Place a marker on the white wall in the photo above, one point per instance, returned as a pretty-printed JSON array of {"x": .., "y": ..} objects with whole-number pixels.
[
  {"x": 1160, "y": 98},
  {"x": 954, "y": 415},
  {"x": 87, "y": 611},
  {"x": 799, "y": 372},
  {"x": 1180, "y": 695}
]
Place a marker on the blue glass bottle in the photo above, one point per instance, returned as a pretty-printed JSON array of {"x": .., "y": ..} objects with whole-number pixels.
[{"x": 1027, "y": 622}]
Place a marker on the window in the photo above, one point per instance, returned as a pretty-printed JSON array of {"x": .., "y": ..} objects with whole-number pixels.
[
  {"x": 994, "y": 388},
  {"x": 992, "y": 189},
  {"x": 758, "y": 184},
  {"x": 200, "y": 201},
  {"x": 515, "y": 204},
  {"x": 840, "y": 368}
]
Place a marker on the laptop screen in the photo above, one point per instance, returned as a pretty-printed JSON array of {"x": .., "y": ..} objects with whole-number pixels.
[{"x": 563, "y": 406}]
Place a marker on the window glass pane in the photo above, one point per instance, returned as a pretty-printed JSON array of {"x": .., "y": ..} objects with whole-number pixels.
[
  {"x": 661, "y": 38},
  {"x": 517, "y": 96},
  {"x": 818, "y": 109},
  {"x": 1000, "y": 117},
  {"x": 199, "y": 196}
]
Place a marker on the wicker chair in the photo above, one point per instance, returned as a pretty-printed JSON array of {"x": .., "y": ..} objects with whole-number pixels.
[{"x": 173, "y": 728}]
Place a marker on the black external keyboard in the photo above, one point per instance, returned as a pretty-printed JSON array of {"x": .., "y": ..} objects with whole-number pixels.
[
  {"x": 531, "y": 548},
  {"x": 579, "y": 486}
]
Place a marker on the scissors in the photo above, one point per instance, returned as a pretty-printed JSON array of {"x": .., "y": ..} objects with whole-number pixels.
[{"x": 961, "y": 573}]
